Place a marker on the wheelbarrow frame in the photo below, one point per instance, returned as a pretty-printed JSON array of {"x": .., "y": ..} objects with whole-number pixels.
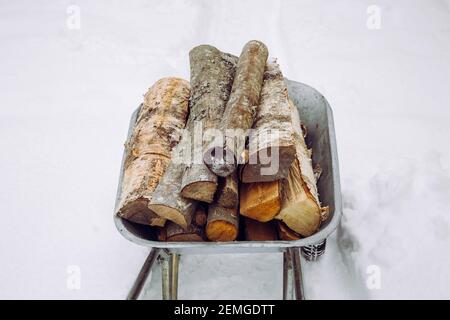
[{"x": 317, "y": 116}]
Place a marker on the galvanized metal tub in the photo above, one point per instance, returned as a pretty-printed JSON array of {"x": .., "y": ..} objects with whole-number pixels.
[{"x": 316, "y": 114}]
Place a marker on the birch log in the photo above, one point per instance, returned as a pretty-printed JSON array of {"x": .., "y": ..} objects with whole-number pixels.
[
  {"x": 157, "y": 130},
  {"x": 300, "y": 209},
  {"x": 212, "y": 73},
  {"x": 271, "y": 143},
  {"x": 259, "y": 231},
  {"x": 167, "y": 201},
  {"x": 260, "y": 200},
  {"x": 223, "y": 223},
  {"x": 240, "y": 110}
]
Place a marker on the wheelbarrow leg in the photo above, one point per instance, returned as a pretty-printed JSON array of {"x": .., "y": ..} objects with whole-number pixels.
[
  {"x": 169, "y": 271},
  {"x": 298, "y": 279},
  {"x": 174, "y": 263},
  {"x": 165, "y": 275},
  {"x": 143, "y": 275},
  {"x": 288, "y": 276}
]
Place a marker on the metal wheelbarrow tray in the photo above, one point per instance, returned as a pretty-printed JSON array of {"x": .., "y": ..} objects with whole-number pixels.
[{"x": 316, "y": 115}]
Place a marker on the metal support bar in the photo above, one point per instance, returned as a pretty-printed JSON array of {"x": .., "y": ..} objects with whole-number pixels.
[
  {"x": 292, "y": 274},
  {"x": 288, "y": 276},
  {"x": 143, "y": 275},
  {"x": 174, "y": 263},
  {"x": 298, "y": 279},
  {"x": 165, "y": 275}
]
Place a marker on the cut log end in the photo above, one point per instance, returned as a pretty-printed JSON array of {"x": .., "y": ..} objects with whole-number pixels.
[
  {"x": 220, "y": 161},
  {"x": 220, "y": 230},
  {"x": 201, "y": 190},
  {"x": 301, "y": 209},
  {"x": 138, "y": 212},
  {"x": 303, "y": 217},
  {"x": 223, "y": 223},
  {"x": 260, "y": 201},
  {"x": 171, "y": 214}
]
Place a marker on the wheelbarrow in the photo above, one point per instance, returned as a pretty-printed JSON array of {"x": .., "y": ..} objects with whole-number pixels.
[{"x": 316, "y": 115}]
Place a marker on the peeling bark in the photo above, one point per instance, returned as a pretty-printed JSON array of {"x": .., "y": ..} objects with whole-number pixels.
[
  {"x": 271, "y": 144},
  {"x": 212, "y": 73},
  {"x": 300, "y": 209},
  {"x": 157, "y": 131},
  {"x": 241, "y": 108},
  {"x": 167, "y": 201}
]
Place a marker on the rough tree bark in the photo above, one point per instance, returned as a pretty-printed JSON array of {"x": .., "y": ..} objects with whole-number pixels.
[
  {"x": 223, "y": 223},
  {"x": 157, "y": 130},
  {"x": 212, "y": 73},
  {"x": 240, "y": 110},
  {"x": 271, "y": 143},
  {"x": 167, "y": 201},
  {"x": 260, "y": 200},
  {"x": 300, "y": 209},
  {"x": 259, "y": 231},
  {"x": 228, "y": 191}
]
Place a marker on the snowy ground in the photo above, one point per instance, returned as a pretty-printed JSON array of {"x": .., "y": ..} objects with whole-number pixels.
[{"x": 67, "y": 95}]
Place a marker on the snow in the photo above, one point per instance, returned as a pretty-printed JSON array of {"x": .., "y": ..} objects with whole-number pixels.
[{"x": 67, "y": 95}]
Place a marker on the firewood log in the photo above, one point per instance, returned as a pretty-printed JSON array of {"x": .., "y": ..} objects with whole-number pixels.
[
  {"x": 259, "y": 231},
  {"x": 223, "y": 223},
  {"x": 176, "y": 233},
  {"x": 240, "y": 110},
  {"x": 260, "y": 200},
  {"x": 157, "y": 130},
  {"x": 300, "y": 208},
  {"x": 167, "y": 201},
  {"x": 212, "y": 73},
  {"x": 271, "y": 143},
  {"x": 195, "y": 231},
  {"x": 228, "y": 191},
  {"x": 285, "y": 233}
]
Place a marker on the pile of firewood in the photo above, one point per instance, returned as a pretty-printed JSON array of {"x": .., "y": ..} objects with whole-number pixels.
[{"x": 251, "y": 161}]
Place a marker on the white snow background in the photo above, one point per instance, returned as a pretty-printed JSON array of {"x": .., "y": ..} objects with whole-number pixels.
[{"x": 66, "y": 96}]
